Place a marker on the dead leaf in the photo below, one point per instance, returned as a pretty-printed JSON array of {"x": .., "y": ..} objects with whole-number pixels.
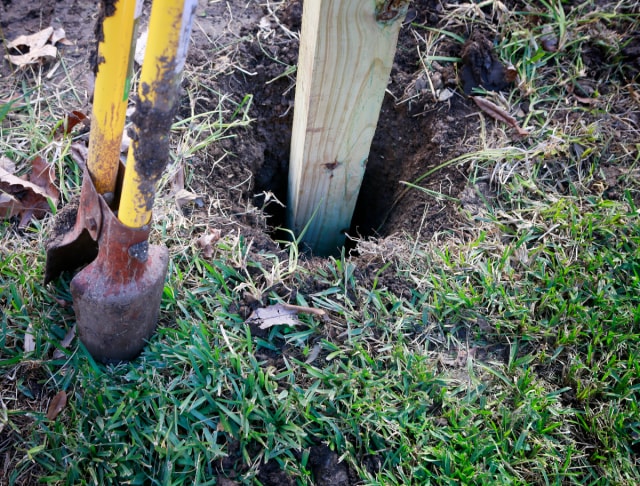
[
  {"x": 305, "y": 310},
  {"x": 9, "y": 206},
  {"x": 125, "y": 143},
  {"x": 444, "y": 94},
  {"x": 37, "y": 204},
  {"x": 581, "y": 99},
  {"x": 7, "y": 164},
  {"x": 282, "y": 314},
  {"x": 497, "y": 113},
  {"x": 206, "y": 241},
  {"x": 177, "y": 181},
  {"x": 29, "y": 340},
  {"x": 65, "y": 343},
  {"x": 274, "y": 315},
  {"x": 69, "y": 123},
  {"x": 36, "y": 40},
  {"x": 460, "y": 361},
  {"x": 510, "y": 73},
  {"x": 313, "y": 354},
  {"x": 43, "y": 175},
  {"x": 585, "y": 101},
  {"x": 28, "y": 198},
  {"x": 79, "y": 154},
  {"x": 34, "y": 47},
  {"x": 60, "y": 36},
  {"x": 184, "y": 197},
  {"x": 57, "y": 405},
  {"x": 11, "y": 187},
  {"x": 141, "y": 47}
]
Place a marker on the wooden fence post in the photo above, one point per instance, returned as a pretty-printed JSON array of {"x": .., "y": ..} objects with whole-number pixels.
[{"x": 346, "y": 53}]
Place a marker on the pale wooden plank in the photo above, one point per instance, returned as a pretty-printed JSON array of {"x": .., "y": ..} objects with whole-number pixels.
[{"x": 346, "y": 53}]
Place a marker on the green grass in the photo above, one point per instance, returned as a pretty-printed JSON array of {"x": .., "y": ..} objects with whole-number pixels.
[
  {"x": 548, "y": 394},
  {"x": 502, "y": 351}
]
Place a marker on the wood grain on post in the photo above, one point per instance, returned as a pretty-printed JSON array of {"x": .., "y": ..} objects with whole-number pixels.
[{"x": 346, "y": 53}]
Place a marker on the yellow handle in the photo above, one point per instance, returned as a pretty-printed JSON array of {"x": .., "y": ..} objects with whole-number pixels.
[
  {"x": 111, "y": 92},
  {"x": 169, "y": 28}
]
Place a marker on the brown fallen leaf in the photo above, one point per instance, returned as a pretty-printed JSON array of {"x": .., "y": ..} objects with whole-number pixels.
[
  {"x": 79, "y": 153},
  {"x": 43, "y": 175},
  {"x": 9, "y": 206},
  {"x": 57, "y": 405},
  {"x": 177, "y": 181},
  {"x": 29, "y": 340},
  {"x": 11, "y": 188},
  {"x": 581, "y": 99},
  {"x": 206, "y": 241},
  {"x": 7, "y": 164},
  {"x": 281, "y": 314},
  {"x": 35, "y": 47},
  {"x": 60, "y": 36},
  {"x": 305, "y": 310},
  {"x": 65, "y": 343},
  {"x": 585, "y": 101},
  {"x": 510, "y": 73},
  {"x": 499, "y": 114},
  {"x": 184, "y": 197},
  {"x": 28, "y": 198},
  {"x": 274, "y": 315},
  {"x": 69, "y": 123},
  {"x": 36, "y": 40},
  {"x": 460, "y": 361}
]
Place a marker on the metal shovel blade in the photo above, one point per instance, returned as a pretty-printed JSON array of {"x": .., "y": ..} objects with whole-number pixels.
[
  {"x": 75, "y": 234},
  {"x": 117, "y": 297}
]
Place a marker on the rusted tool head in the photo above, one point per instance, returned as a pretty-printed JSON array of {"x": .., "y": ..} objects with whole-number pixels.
[
  {"x": 117, "y": 297},
  {"x": 75, "y": 234}
]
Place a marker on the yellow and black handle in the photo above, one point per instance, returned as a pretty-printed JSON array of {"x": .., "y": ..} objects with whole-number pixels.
[{"x": 169, "y": 29}]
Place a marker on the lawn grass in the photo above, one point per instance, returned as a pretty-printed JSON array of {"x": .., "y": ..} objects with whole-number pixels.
[{"x": 502, "y": 351}]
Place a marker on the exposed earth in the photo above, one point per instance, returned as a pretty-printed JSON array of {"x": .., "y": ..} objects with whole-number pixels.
[
  {"x": 241, "y": 48},
  {"x": 247, "y": 47}
]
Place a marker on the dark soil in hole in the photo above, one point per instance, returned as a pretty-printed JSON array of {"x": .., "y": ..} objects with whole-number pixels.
[{"x": 414, "y": 133}]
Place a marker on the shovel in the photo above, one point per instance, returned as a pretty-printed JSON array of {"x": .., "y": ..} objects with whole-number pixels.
[
  {"x": 117, "y": 296},
  {"x": 75, "y": 234}
]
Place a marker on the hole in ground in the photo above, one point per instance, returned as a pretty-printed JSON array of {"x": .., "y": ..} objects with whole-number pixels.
[
  {"x": 404, "y": 147},
  {"x": 412, "y": 136}
]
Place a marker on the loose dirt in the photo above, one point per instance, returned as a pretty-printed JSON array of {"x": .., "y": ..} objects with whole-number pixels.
[{"x": 414, "y": 133}]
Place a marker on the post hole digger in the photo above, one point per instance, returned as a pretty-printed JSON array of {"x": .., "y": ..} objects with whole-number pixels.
[{"x": 116, "y": 297}]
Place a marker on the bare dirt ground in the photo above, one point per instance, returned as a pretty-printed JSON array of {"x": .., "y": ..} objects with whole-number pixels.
[
  {"x": 243, "y": 47},
  {"x": 248, "y": 48}
]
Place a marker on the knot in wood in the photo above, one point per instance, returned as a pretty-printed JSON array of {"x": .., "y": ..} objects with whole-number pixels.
[{"x": 388, "y": 11}]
